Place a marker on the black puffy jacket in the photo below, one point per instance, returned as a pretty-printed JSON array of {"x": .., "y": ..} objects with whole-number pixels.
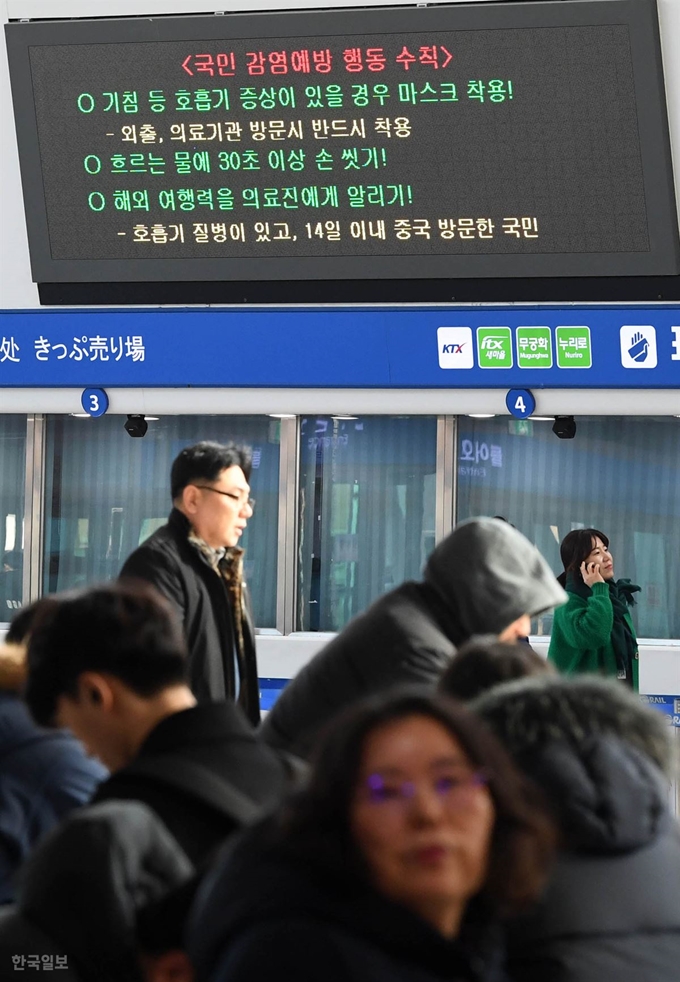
[
  {"x": 478, "y": 580},
  {"x": 80, "y": 890}
]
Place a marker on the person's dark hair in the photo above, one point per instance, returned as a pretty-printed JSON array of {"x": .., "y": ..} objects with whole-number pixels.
[
  {"x": 125, "y": 629},
  {"x": 22, "y": 622},
  {"x": 316, "y": 825},
  {"x": 481, "y": 664},
  {"x": 575, "y": 548},
  {"x": 14, "y": 648},
  {"x": 205, "y": 462}
]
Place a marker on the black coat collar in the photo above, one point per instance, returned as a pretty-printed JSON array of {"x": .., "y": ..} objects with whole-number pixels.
[{"x": 207, "y": 722}]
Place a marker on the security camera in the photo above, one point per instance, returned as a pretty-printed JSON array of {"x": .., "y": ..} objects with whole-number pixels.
[
  {"x": 136, "y": 425},
  {"x": 564, "y": 427}
]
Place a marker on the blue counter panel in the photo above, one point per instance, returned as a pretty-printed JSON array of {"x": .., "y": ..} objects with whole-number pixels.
[
  {"x": 270, "y": 690},
  {"x": 432, "y": 347},
  {"x": 669, "y": 706}
]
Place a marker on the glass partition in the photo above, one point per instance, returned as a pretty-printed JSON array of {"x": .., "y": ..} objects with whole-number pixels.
[
  {"x": 107, "y": 492},
  {"x": 367, "y": 512},
  {"x": 619, "y": 474},
  {"x": 12, "y": 480}
]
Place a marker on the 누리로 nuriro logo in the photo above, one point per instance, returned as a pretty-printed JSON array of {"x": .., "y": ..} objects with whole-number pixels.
[{"x": 454, "y": 346}]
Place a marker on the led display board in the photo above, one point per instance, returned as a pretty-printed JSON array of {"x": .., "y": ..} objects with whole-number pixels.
[{"x": 491, "y": 140}]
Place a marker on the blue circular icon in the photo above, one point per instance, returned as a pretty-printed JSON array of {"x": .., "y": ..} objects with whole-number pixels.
[
  {"x": 520, "y": 403},
  {"x": 95, "y": 402}
]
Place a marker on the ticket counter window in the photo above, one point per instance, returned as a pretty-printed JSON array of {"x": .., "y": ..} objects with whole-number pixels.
[
  {"x": 367, "y": 512},
  {"x": 107, "y": 492},
  {"x": 12, "y": 480},
  {"x": 618, "y": 474}
]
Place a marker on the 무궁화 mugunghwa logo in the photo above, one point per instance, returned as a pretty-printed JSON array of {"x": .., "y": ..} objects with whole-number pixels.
[
  {"x": 638, "y": 346},
  {"x": 454, "y": 345}
]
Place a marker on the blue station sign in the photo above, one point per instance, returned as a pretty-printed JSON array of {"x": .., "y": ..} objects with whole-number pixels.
[
  {"x": 669, "y": 706},
  {"x": 429, "y": 347}
]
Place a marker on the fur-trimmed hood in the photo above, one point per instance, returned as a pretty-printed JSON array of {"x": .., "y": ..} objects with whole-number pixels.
[
  {"x": 601, "y": 757},
  {"x": 533, "y": 711},
  {"x": 12, "y": 667}
]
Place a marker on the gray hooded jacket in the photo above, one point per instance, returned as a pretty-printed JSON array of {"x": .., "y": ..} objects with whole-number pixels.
[
  {"x": 611, "y": 910},
  {"x": 478, "y": 580}
]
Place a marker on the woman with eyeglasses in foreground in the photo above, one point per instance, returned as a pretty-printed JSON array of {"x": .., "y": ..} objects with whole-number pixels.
[{"x": 413, "y": 838}]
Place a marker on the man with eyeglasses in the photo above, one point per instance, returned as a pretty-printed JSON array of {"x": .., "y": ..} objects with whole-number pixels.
[{"x": 195, "y": 561}]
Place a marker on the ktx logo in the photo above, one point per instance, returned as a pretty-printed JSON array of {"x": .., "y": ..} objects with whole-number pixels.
[{"x": 454, "y": 347}]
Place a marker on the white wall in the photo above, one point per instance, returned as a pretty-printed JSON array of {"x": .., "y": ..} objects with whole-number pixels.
[
  {"x": 283, "y": 657},
  {"x": 16, "y": 289}
]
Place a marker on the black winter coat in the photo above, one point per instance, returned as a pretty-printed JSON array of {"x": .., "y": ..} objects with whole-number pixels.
[
  {"x": 175, "y": 567},
  {"x": 220, "y": 740},
  {"x": 478, "y": 580},
  {"x": 263, "y": 916}
]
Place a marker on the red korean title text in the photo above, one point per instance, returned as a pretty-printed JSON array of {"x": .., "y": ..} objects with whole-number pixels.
[{"x": 308, "y": 61}]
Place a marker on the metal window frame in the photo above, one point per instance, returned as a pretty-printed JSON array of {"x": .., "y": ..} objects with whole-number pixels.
[
  {"x": 34, "y": 500},
  {"x": 446, "y": 507},
  {"x": 289, "y": 480},
  {"x": 446, "y": 495},
  {"x": 446, "y": 503},
  {"x": 446, "y": 510}
]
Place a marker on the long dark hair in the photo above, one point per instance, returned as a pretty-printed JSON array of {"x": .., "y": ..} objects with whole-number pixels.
[
  {"x": 316, "y": 825},
  {"x": 575, "y": 548}
]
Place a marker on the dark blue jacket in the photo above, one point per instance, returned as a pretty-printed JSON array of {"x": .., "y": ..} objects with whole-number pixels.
[{"x": 43, "y": 775}]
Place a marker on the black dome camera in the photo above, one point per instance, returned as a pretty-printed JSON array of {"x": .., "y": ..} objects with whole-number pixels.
[
  {"x": 564, "y": 427},
  {"x": 136, "y": 425}
]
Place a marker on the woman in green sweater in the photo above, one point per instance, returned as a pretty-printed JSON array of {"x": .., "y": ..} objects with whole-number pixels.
[{"x": 593, "y": 631}]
